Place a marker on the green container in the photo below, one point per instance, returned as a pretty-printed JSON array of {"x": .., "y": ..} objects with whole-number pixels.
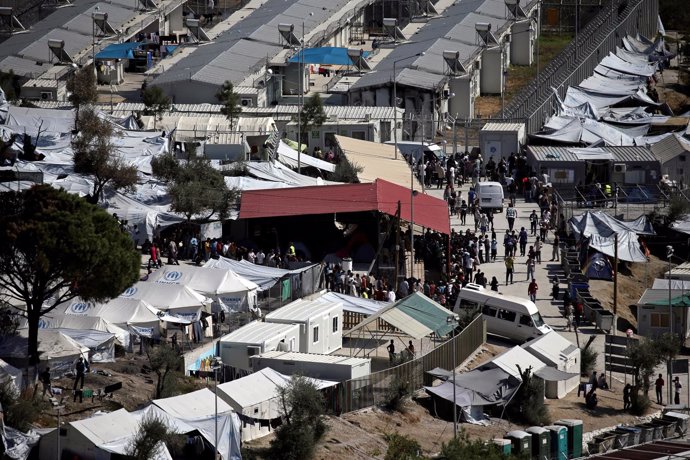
[
  {"x": 541, "y": 442},
  {"x": 522, "y": 442},
  {"x": 574, "y": 436},
  {"x": 559, "y": 442},
  {"x": 505, "y": 446}
]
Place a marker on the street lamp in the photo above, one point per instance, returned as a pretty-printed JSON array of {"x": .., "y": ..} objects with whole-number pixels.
[
  {"x": 395, "y": 102},
  {"x": 413, "y": 193},
  {"x": 669, "y": 255},
  {"x": 453, "y": 320},
  {"x": 58, "y": 409},
  {"x": 216, "y": 364},
  {"x": 300, "y": 100}
]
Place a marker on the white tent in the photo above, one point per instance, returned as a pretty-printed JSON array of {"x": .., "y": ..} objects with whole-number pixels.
[
  {"x": 559, "y": 352},
  {"x": 65, "y": 322},
  {"x": 198, "y": 409},
  {"x": 55, "y": 349},
  {"x": 229, "y": 291},
  {"x": 255, "y": 399},
  {"x": 174, "y": 299},
  {"x": 135, "y": 315},
  {"x": 98, "y": 437},
  {"x": 10, "y": 372}
]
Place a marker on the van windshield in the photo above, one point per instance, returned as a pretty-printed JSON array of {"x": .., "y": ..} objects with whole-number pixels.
[{"x": 538, "y": 321}]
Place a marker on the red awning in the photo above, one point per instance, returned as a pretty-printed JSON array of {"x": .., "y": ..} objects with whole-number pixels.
[{"x": 382, "y": 196}]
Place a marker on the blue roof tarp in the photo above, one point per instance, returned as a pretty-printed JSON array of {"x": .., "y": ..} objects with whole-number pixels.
[
  {"x": 326, "y": 55},
  {"x": 118, "y": 51}
]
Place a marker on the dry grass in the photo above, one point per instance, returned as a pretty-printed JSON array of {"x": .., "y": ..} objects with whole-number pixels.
[{"x": 520, "y": 76}]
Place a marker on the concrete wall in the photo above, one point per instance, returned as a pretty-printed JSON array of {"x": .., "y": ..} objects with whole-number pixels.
[
  {"x": 522, "y": 43},
  {"x": 491, "y": 78}
]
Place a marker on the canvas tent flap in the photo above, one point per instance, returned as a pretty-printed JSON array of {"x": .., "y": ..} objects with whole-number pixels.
[
  {"x": 354, "y": 304},
  {"x": 601, "y": 224},
  {"x": 552, "y": 374},
  {"x": 288, "y": 156},
  {"x": 10, "y": 372},
  {"x": 592, "y": 154},
  {"x": 628, "y": 246}
]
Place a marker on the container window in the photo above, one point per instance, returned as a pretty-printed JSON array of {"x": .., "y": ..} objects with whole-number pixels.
[
  {"x": 316, "y": 334},
  {"x": 335, "y": 324}
]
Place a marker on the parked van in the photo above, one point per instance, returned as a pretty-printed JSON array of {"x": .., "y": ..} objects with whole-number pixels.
[
  {"x": 490, "y": 195},
  {"x": 508, "y": 316},
  {"x": 431, "y": 151}
]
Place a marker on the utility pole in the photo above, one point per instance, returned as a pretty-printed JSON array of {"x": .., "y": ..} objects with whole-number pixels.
[
  {"x": 397, "y": 243},
  {"x": 615, "y": 283}
]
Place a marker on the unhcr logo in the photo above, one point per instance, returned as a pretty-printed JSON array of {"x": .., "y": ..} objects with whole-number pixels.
[
  {"x": 172, "y": 276},
  {"x": 43, "y": 324},
  {"x": 79, "y": 307},
  {"x": 129, "y": 292}
]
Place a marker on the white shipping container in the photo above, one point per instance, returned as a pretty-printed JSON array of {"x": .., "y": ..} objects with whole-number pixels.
[
  {"x": 255, "y": 338},
  {"x": 325, "y": 367},
  {"x": 320, "y": 324}
]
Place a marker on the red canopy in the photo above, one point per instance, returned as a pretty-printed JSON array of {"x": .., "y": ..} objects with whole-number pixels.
[{"x": 379, "y": 196}]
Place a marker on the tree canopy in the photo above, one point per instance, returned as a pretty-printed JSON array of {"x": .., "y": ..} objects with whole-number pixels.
[
  {"x": 55, "y": 246},
  {"x": 231, "y": 102},
  {"x": 313, "y": 115},
  {"x": 196, "y": 188},
  {"x": 156, "y": 102},
  {"x": 82, "y": 88},
  {"x": 95, "y": 155}
]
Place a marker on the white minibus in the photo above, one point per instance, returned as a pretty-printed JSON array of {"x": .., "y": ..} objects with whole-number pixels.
[
  {"x": 490, "y": 195},
  {"x": 508, "y": 316}
]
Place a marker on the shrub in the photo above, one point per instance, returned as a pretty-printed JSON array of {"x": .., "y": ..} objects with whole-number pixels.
[
  {"x": 528, "y": 403},
  {"x": 347, "y": 172},
  {"x": 20, "y": 409},
  {"x": 639, "y": 402},
  {"x": 402, "y": 448},
  {"x": 463, "y": 448},
  {"x": 588, "y": 360},
  {"x": 396, "y": 393}
]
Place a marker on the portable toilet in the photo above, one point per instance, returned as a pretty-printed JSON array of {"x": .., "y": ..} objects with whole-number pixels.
[
  {"x": 522, "y": 442},
  {"x": 559, "y": 442},
  {"x": 541, "y": 442},
  {"x": 574, "y": 436},
  {"x": 504, "y": 446}
]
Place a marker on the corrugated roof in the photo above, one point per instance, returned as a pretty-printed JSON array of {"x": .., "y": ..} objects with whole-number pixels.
[
  {"x": 29, "y": 68},
  {"x": 40, "y": 83},
  {"x": 377, "y": 161},
  {"x": 669, "y": 148},
  {"x": 416, "y": 315},
  {"x": 314, "y": 358},
  {"x": 303, "y": 310},
  {"x": 257, "y": 331},
  {"x": 243, "y": 49},
  {"x": 620, "y": 154},
  {"x": 453, "y": 30},
  {"x": 660, "y": 297},
  {"x": 503, "y": 126},
  {"x": 381, "y": 196}
]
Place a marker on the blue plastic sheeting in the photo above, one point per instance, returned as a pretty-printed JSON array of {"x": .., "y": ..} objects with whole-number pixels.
[
  {"x": 118, "y": 51},
  {"x": 325, "y": 55}
]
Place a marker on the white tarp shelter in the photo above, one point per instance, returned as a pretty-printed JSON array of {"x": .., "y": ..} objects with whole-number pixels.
[
  {"x": 8, "y": 371},
  {"x": 255, "y": 399},
  {"x": 97, "y": 437},
  {"x": 55, "y": 349},
  {"x": 560, "y": 353},
  {"x": 354, "y": 304},
  {"x": 175, "y": 299},
  {"x": 229, "y": 291},
  {"x": 198, "y": 409},
  {"x": 288, "y": 156}
]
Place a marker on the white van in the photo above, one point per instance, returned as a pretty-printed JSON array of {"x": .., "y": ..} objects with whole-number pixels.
[
  {"x": 490, "y": 195},
  {"x": 508, "y": 316}
]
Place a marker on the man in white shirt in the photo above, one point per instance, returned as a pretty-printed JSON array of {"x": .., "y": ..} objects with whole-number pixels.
[
  {"x": 260, "y": 257},
  {"x": 391, "y": 295}
]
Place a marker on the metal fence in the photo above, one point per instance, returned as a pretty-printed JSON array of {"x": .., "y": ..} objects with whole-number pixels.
[
  {"x": 577, "y": 61},
  {"x": 372, "y": 390}
]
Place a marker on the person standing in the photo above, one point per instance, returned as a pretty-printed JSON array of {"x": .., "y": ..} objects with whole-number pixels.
[
  {"x": 532, "y": 290},
  {"x": 463, "y": 212},
  {"x": 533, "y": 221},
  {"x": 555, "y": 254},
  {"x": 530, "y": 268},
  {"x": 626, "y": 396},
  {"x": 522, "y": 239},
  {"x": 81, "y": 369},
  {"x": 172, "y": 253},
  {"x": 494, "y": 249},
  {"x": 537, "y": 249},
  {"x": 391, "y": 351},
  {"x": 511, "y": 215},
  {"x": 509, "y": 262},
  {"x": 45, "y": 380},
  {"x": 494, "y": 284},
  {"x": 659, "y": 386},
  {"x": 677, "y": 386}
]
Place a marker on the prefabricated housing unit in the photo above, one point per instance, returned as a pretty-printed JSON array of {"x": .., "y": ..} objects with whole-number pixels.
[
  {"x": 559, "y": 352},
  {"x": 320, "y": 324},
  {"x": 325, "y": 367},
  {"x": 255, "y": 338},
  {"x": 499, "y": 140}
]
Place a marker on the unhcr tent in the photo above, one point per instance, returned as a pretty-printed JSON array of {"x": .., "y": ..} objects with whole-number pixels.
[
  {"x": 55, "y": 349},
  {"x": 66, "y": 322},
  {"x": 104, "y": 436},
  {"x": 198, "y": 409},
  {"x": 229, "y": 291},
  {"x": 598, "y": 267},
  {"x": 175, "y": 299},
  {"x": 255, "y": 398}
]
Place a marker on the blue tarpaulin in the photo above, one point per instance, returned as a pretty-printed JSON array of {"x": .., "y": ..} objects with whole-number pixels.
[
  {"x": 325, "y": 55},
  {"x": 118, "y": 51}
]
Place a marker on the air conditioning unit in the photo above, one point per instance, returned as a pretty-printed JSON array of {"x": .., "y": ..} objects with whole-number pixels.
[
  {"x": 619, "y": 167},
  {"x": 46, "y": 96},
  {"x": 246, "y": 102}
]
